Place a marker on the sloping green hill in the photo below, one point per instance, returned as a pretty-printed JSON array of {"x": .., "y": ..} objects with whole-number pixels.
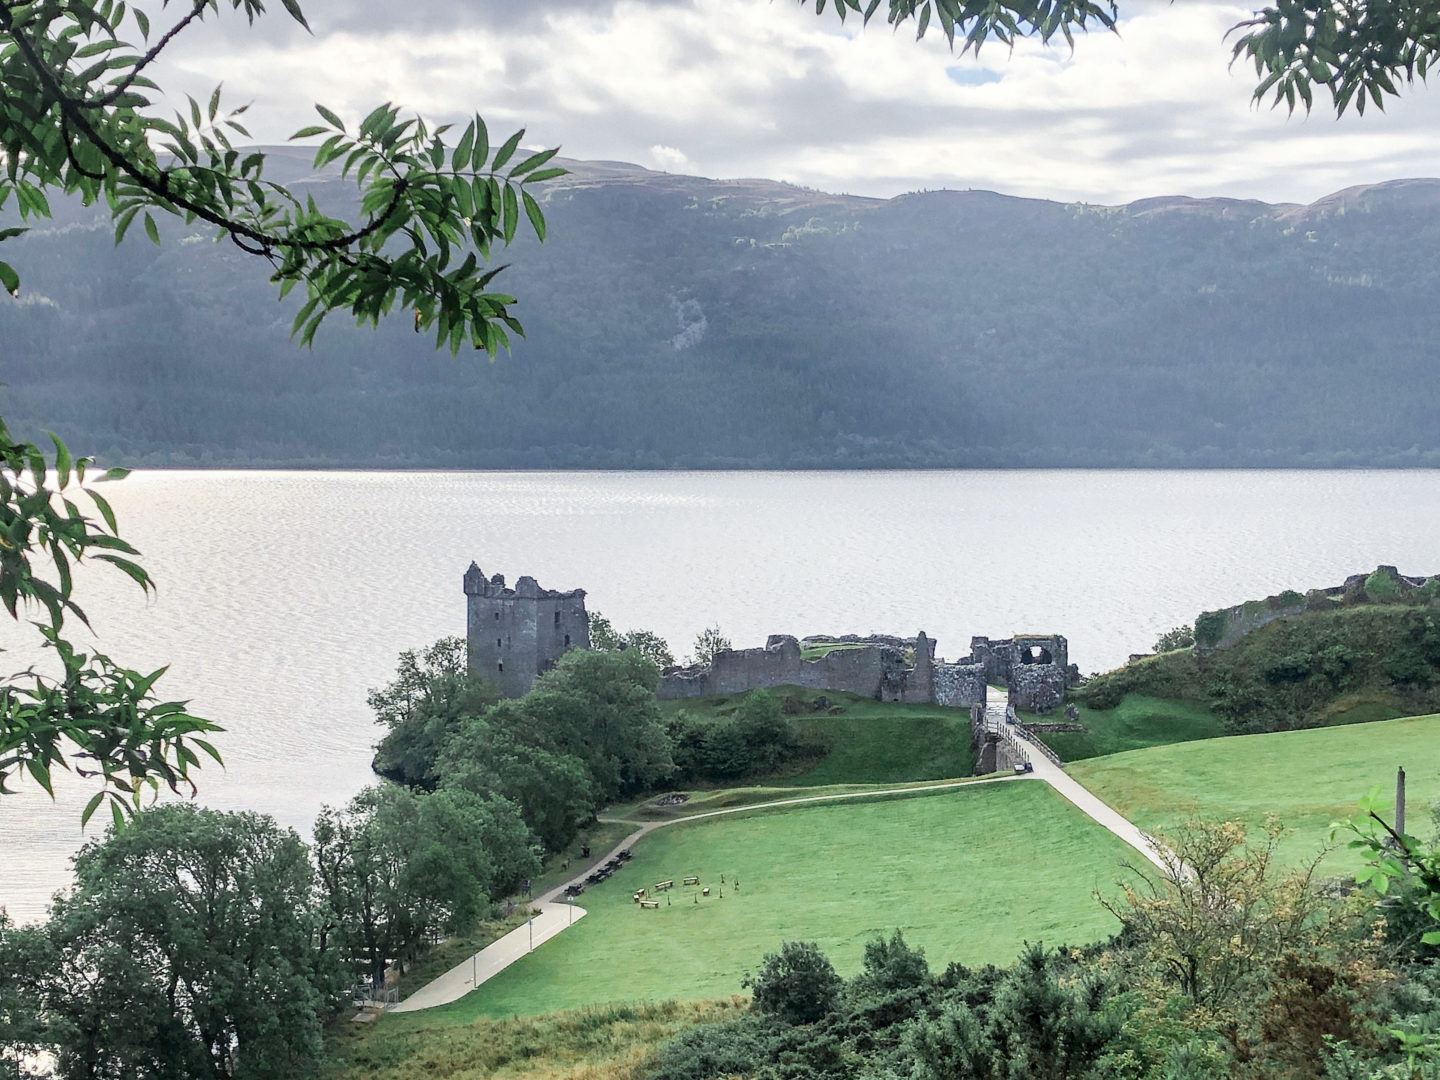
[
  {"x": 1343, "y": 664},
  {"x": 1306, "y": 778},
  {"x": 969, "y": 875}
]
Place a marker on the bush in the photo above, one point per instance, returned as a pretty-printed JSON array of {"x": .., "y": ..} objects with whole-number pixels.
[
  {"x": 797, "y": 985},
  {"x": 736, "y": 1048},
  {"x": 892, "y": 965},
  {"x": 1381, "y": 586},
  {"x": 1290, "y": 598},
  {"x": 1103, "y": 692},
  {"x": 1210, "y": 627},
  {"x": 1182, "y": 637}
]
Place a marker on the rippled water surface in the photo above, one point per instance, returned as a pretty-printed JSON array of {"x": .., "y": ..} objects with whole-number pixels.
[{"x": 284, "y": 596}]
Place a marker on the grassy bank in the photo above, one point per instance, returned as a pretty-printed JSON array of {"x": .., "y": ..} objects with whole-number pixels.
[
  {"x": 1137, "y": 722},
  {"x": 605, "y": 1043},
  {"x": 862, "y": 741},
  {"x": 1307, "y": 778},
  {"x": 969, "y": 875}
]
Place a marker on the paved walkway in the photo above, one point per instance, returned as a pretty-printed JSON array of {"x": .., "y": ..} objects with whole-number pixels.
[
  {"x": 493, "y": 959},
  {"x": 555, "y": 917}
]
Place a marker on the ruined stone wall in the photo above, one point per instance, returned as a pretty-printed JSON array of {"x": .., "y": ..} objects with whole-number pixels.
[
  {"x": 513, "y": 635},
  {"x": 959, "y": 686},
  {"x": 919, "y": 683},
  {"x": 1039, "y": 687}
]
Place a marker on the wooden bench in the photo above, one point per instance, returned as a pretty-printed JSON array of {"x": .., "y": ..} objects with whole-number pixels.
[
  {"x": 691, "y": 881},
  {"x": 661, "y": 886},
  {"x": 649, "y": 903}
]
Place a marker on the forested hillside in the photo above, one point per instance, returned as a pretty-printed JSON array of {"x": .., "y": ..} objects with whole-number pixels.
[{"x": 676, "y": 321}]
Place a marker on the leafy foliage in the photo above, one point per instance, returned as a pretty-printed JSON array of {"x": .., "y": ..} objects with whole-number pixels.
[
  {"x": 94, "y": 717},
  {"x": 1356, "y": 49},
  {"x": 77, "y": 116},
  {"x": 1182, "y": 637},
  {"x": 707, "y": 643},
  {"x": 431, "y": 694},
  {"x": 798, "y": 984},
  {"x": 396, "y": 868},
  {"x": 1221, "y": 913},
  {"x": 188, "y": 950},
  {"x": 977, "y": 21},
  {"x": 605, "y": 638}
]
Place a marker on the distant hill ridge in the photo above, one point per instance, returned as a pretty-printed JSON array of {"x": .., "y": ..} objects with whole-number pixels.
[{"x": 678, "y": 321}]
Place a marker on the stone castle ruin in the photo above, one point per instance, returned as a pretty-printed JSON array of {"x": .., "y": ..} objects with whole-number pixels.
[
  {"x": 514, "y": 635},
  {"x": 517, "y": 634},
  {"x": 1034, "y": 668}
]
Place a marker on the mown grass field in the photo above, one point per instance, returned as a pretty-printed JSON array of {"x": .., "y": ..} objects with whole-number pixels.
[
  {"x": 969, "y": 875},
  {"x": 1137, "y": 722},
  {"x": 1307, "y": 778},
  {"x": 870, "y": 742}
]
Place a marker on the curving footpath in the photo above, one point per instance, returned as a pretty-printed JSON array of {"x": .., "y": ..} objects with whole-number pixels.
[
  {"x": 555, "y": 917},
  {"x": 493, "y": 959}
]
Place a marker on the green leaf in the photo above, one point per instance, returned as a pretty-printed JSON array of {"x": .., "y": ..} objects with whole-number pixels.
[
  {"x": 506, "y": 152},
  {"x": 1431, "y": 937},
  {"x": 512, "y": 213},
  {"x": 330, "y": 118},
  {"x": 537, "y": 218},
  {"x": 41, "y": 772},
  {"x": 311, "y": 131},
  {"x": 92, "y": 805},
  {"x": 151, "y": 230},
  {"x": 63, "y": 461},
  {"x": 293, "y": 7},
  {"x": 533, "y": 162},
  {"x": 9, "y": 279}
]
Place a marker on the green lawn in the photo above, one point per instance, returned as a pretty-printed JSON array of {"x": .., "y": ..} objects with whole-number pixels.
[
  {"x": 868, "y": 741},
  {"x": 969, "y": 875},
  {"x": 1135, "y": 723},
  {"x": 705, "y": 800},
  {"x": 1307, "y": 778}
]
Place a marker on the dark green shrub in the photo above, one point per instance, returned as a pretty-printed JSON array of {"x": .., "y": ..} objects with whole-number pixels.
[
  {"x": 736, "y": 1048},
  {"x": 1210, "y": 627},
  {"x": 797, "y": 985},
  {"x": 1182, "y": 637},
  {"x": 1290, "y": 598},
  {"x": 891, "y": 965},
  {"x": 1102, "y": 692},
  {"x": 1288, "y": 668},
  {"x": 1382, "y": 587}
]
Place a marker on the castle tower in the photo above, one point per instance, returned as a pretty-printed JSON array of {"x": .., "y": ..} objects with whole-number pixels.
[{"x": 513, "y": 635}]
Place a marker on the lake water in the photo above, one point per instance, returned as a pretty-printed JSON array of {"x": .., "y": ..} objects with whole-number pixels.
[{"x": 284, "y": 596}]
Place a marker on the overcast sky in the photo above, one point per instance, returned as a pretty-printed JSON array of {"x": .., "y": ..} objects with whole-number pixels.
[{"x": 766, "y": 88}]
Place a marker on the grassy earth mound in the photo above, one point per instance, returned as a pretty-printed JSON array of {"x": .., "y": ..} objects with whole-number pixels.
[
  {"x": 1137, "y": 722},
  {"x": 856, "y": 740},
  {"x": 1314, "y": 669},
  {"x": 969, "y": 875},
  {"x": 1307, "y": 778}
]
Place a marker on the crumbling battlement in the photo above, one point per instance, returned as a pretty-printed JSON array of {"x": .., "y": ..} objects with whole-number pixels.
[
  {"x": 877, "y": 666},
  {"x": 513, "y": 635}
]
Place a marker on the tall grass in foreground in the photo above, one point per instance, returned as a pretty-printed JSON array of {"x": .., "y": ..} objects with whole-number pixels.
[{"x": 604, "y": 1042}]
